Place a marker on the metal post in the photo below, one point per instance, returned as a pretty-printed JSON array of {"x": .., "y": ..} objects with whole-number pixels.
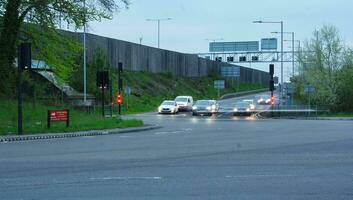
[
  {"x": 119, "y": 89},
  {"x": 159, "y": 32},
  {"x": 111, "y": 98},
  {"x": 292, "y": 54},
  {"x": 84, "y": 58},
  {"x": 19, "y": 101},
  {"x": 103, "y": 100},
  {"x": 281, "y": 61}
]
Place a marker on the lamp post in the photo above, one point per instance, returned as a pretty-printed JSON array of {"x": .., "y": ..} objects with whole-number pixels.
[
  {"x": 158, "y": 20},
  {"x": 281, "y": 23}
]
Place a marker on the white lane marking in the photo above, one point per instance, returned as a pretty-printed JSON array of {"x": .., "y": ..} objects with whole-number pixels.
[
  {"x": 126, "y": 178},
  {"x": 125, "y": 136},
  {"x": 260, "y": 175},
  {"x": 173, "y": 132}
]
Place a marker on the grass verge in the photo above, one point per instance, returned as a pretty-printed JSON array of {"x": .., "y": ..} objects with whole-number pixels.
[
  {"x": 35, "y": 120},
  {"x": 340, "y": 114},
  {"x": 149, "y": 89}
]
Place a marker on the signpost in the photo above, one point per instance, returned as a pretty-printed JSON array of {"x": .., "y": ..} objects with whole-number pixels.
[
  {"x": 58, "y": 116},
  {"x": 127, "y": 92},
  {"x": 219, "y": 84},
  {"x": 308, "y": 89}
]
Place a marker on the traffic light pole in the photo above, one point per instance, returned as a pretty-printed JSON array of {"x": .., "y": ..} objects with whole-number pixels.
[
  {"x": 120, "y": 69},
  {"x": 19, "y": 101},
  {"x": 103, "y": 100}
]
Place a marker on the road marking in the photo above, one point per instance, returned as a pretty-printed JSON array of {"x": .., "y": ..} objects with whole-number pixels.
[
  {"x": 126, "y": 178},
  {"x": 260, "y": 176},
  {"x": 125, "y": 136},
  {"x": 173, "y": 132}
]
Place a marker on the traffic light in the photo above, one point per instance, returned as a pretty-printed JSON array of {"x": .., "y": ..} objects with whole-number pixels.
[
  {"x": 273, "y": 100},
  {"x": 120, "y": 67},
  {"x": 272, "y": 69},
  {"x": 25, "y": 56},
  {"x": 119, "y": 99}
]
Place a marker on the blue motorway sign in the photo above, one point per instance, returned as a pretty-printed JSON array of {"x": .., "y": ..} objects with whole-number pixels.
[
  {"x": 218, "y": 84},
  {"x": 230, "y": 71}
]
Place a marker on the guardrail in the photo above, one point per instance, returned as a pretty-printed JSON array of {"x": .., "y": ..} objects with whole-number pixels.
[{"x": 238, "y": 94}]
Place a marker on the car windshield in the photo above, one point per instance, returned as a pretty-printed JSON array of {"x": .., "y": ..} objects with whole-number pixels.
[
  {"x": 242, "y": 104},
  {"x": 168, "y": 103},
  {"x": 203, "y": 103},
  {"x": 181, "y": 99}
]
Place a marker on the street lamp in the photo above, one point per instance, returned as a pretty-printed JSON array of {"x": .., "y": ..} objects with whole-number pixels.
[
  {"x": 292, "y": 33},
  {"x": 159, "y": 24},
  {"x": 277, "y": 22}
]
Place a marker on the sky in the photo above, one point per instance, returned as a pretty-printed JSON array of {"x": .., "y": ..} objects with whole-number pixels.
[{"x": 194, "y": 21}]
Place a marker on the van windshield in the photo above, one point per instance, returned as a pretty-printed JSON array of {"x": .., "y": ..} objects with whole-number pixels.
[{"x": 181, "y": 99}]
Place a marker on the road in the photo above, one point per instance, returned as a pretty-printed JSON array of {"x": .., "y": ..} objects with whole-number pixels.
[{"x": 189, "y": 158}]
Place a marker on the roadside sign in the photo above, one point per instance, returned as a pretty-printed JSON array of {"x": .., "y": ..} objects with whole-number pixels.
[
  {"x": 218, "y": 84},
  {"x": 127, "y": 90},
  {"x": 230, "y": 71},
  {"x": 275, "y": 79},
  {"x": 58, "y": 116},
  {"x": 309, "y": 89}
]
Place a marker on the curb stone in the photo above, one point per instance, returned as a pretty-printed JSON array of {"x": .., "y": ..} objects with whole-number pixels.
[{"x": 5, "y": 139}]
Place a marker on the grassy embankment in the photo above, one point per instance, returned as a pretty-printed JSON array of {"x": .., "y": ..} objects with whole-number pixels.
[{"x": 149, "y": 90}]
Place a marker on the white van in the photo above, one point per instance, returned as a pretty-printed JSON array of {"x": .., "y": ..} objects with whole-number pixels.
[{"x": 184, "y": 103}]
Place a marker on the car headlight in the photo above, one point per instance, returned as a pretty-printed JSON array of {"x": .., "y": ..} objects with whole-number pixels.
[
  {"x": 252, "y": 107},
  {"x": 248, "y": 109},
  {"x": 194, "y": 107},
  {"x": 213, "y": 107},
  {"x": 235, "y": 109},
  {"x": 208, "y": 107},
  {"x": 159, "y": 109}
]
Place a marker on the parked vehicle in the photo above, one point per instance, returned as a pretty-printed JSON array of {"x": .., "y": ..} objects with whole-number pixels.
[
  {"x": 168, "y": 107},
  {"x": 242, "y": 108},
  {"x": 184, "y": 103},
  {"x": 205, "y": 107}
]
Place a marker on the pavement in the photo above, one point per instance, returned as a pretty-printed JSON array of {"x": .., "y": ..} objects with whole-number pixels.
[{"x": 219, "y": 157}]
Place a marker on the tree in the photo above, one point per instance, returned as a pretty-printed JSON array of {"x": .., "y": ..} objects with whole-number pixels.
[
  {"x": 326, "y": 64},
  {"x": 44, "y": 15}
]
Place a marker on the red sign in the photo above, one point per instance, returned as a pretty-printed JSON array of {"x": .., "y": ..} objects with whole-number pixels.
[{"x": 58, "y": 116}]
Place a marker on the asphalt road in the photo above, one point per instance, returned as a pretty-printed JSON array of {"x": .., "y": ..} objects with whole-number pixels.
[{"x": 189, "y": 158}]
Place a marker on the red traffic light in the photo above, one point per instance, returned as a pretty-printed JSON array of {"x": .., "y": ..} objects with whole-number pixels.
[
  {"x": 273, "y": 100},
  {"x": 119, "y": 99}
]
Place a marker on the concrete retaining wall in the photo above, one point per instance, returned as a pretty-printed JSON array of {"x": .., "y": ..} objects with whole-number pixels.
[{"x": 136, "y": 57}]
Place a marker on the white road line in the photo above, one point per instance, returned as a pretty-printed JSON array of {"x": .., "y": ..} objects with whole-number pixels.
[
  {"x": 173, "y": 132},
  {"x": 126, "y": 178},
  {"x": 259, "y": 176}
]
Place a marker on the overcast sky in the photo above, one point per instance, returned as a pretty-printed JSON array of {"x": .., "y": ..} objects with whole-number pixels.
[{"x": 193, "y": 21}]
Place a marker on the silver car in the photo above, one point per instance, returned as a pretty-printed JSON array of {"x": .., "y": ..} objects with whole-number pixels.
[
  {"x": 242, "y": 108},
  {"x": 205, "y": 107}
]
